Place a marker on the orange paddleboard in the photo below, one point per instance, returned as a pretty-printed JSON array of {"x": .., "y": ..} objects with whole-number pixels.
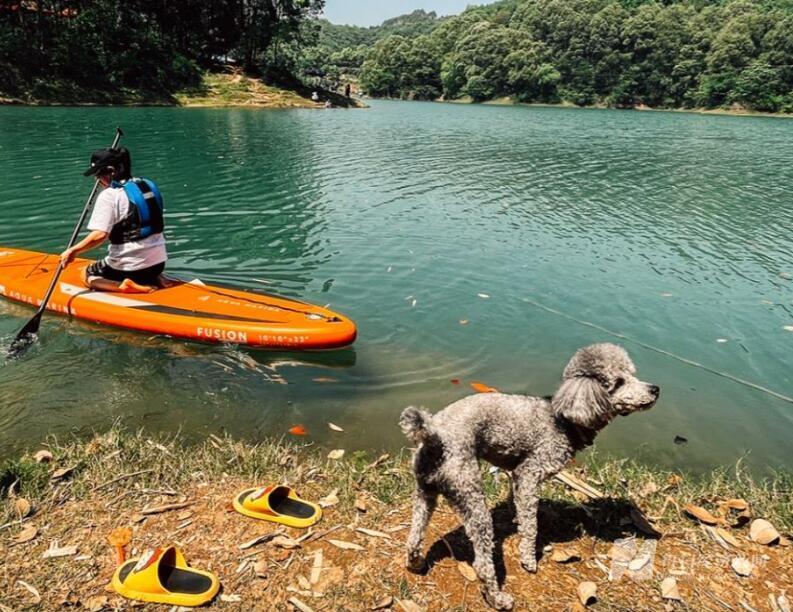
[{"x": 191, "y": 310}]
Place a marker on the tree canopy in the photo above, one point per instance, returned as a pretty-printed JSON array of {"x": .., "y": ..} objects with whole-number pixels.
[
  {"x": 681, "y": 54},
  {"x": 48, "y": 47}
]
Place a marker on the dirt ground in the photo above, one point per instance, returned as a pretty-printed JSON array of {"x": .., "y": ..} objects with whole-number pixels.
[{"x": 319, "y": 570}]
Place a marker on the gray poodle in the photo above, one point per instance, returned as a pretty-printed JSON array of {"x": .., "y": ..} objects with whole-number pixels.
[{"x": 532, "y": 437}]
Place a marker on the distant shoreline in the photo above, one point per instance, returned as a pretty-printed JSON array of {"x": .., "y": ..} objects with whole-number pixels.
[
  {"x": 217, "y": 90},
  {"x": 734, "y": 112}
]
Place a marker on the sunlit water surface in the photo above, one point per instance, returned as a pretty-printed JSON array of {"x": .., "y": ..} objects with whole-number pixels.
[{"x": 441, "y": 230}]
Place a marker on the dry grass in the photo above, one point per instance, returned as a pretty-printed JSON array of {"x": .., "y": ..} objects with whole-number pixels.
[
  {"x": 223, "y": 90},
  {"x": 116, "y": 475}
]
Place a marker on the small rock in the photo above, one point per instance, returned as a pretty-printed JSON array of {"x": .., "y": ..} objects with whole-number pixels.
[{"x": 741, "y": 566}]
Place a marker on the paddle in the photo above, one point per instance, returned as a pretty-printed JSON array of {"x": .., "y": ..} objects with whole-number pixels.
[{"x": 27, "y": 334}]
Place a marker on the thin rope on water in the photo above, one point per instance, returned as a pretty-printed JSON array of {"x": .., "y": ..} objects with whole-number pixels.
[{"x": 661, "y": 351}]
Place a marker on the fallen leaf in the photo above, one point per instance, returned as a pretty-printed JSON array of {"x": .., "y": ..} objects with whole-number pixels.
[
  {"x": 587, "y": 593},
  {"x": 455, "y": 381},
  {"x": 483, "y": 388},
  {"x": 728, "y": 537},
  {"x": 31, "y": 589},
  {"x": 346, "y": 545},
  {"x": 408, "y": 605},
  {"x": 736, "y": 504},
  {"x": 701, "y": 514},
  {"x": 165, "y": 508},
  {"x": 298, "y": 430},
  {"x": 55, "y": 551},
  {"x": 565, "y": 555},
  {"x": 43, "y": 456},
  {"x": 303, "y": 583},
  {"x": 669, "y": 589},
  {"x": 468, "y": 572},
  {"x": 674, "y": 480},
  {"x": 373, "y": 533},
  {"x": 741, "y": 566},
  {"x": 316, "y": 568},
  {"x": 360, "y": 504},
  {"x": 335, "y": 427},
  {"x": 299, "y": 605},
  {"x": 648, "y": 489},
  {"x": 26, "y": 535},
  {"x": 283, "y": 541},
  {"x": 95, "y": 603},
  {"x": 763, "y": 532},
  {"x": 260, "y": 568},
  {"x": 259, "y": 539},
  {"x": 639, "y": 562},
  {"x": 331, "y": 499},
  {"x": 62, "y": 473},
  {"x": 22, "y": 507},
  {"x": 336, "y": 454},
  {"x": 620, "y": 553},
  {"x": 383, "y": 604}
]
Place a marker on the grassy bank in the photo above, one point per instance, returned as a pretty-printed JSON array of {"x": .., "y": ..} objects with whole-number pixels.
[
  {"x": 125, "y": 480},
  {"x": 215, "y": 90}
]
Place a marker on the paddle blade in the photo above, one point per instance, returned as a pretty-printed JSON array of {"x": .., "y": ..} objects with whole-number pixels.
[{"x": 25, "y": 337}]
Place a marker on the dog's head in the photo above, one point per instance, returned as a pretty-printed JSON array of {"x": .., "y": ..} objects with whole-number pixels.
[{"x": 599, "y": 384}]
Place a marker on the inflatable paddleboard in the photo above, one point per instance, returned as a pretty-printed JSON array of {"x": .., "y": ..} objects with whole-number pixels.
[{"x": 191, "y": 310}]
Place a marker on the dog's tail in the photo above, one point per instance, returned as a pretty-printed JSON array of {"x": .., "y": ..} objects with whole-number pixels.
[{"x": 416, "y": 424}]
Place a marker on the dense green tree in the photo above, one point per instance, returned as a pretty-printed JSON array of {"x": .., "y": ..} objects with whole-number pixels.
[
  {"x": 100, "y": 49},
  {"x": 667, "y": 53}
]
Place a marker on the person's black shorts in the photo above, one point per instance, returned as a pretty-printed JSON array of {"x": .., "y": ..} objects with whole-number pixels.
[{"x": 146, "y": 276}]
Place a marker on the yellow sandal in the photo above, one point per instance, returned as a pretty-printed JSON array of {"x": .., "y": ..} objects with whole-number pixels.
[
  {"x": 279, "y": 504},
  {"x": 163, "y": 576}
]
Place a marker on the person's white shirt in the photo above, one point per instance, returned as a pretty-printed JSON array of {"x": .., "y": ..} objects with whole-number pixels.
[{"x": 111, "y": 206}]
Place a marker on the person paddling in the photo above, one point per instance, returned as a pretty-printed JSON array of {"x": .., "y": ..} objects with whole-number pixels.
[{"x": 129, "y": 214}]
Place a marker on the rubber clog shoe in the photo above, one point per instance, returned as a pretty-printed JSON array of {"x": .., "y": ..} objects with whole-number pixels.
[
  {"x": 163, "y": 576},
  {"x": 279, "y": 504}
]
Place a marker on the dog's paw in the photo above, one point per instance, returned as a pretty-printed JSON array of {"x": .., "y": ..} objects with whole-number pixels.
[
  {"x": 499, "y": 600},
  {"x": 530, "y": 565},
  {"x": 416, "y": 564}
]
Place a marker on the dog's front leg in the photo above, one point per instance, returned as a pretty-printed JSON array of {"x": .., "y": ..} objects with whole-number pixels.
[
  {"x": 423, "y": 507},
  {"x": 527, "y": 499}
]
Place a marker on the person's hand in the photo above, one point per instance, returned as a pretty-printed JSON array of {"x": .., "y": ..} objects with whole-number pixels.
[{"x": 67, "y": 257}]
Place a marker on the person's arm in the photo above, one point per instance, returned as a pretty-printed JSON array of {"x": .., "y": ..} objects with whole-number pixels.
[{"x": 91, "y": 241}]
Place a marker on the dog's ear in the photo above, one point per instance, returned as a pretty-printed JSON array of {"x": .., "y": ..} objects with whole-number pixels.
[{"x": 582, "y": 400}]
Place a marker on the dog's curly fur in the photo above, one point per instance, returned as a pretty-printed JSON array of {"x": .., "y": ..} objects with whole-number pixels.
[{"x": 532, "y": 437}]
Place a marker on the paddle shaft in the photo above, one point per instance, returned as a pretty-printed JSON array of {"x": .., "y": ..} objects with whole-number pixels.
[{"x": 31, "y": 328}]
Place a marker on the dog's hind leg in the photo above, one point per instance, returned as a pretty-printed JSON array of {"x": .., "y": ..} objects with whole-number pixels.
[
  {"x": 423, "y": 506},
  {"x": 478, "y": 524}
]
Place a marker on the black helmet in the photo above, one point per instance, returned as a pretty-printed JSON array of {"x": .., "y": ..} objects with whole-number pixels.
[{"x": 119, "y": 159}]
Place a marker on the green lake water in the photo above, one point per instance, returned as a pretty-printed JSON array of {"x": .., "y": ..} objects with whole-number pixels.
[{"x": 673, "y": 230}]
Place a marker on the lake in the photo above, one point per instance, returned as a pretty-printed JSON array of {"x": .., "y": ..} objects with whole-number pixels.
[{"x": 469, "y": 243}]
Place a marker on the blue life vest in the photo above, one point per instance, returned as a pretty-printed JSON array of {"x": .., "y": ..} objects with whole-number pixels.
[{"x": 145, "y": 217}]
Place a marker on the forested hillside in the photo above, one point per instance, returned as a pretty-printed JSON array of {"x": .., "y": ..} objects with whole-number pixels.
[
  {"x": 619, "y": 53},
  {"x": 108, "y": 50}
]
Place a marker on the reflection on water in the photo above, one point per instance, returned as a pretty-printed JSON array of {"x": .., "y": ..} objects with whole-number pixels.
[{"x": 670, "y": 229}]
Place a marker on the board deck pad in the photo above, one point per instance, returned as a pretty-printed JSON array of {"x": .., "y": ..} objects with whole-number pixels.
[{"x": 191, "y": 309}]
